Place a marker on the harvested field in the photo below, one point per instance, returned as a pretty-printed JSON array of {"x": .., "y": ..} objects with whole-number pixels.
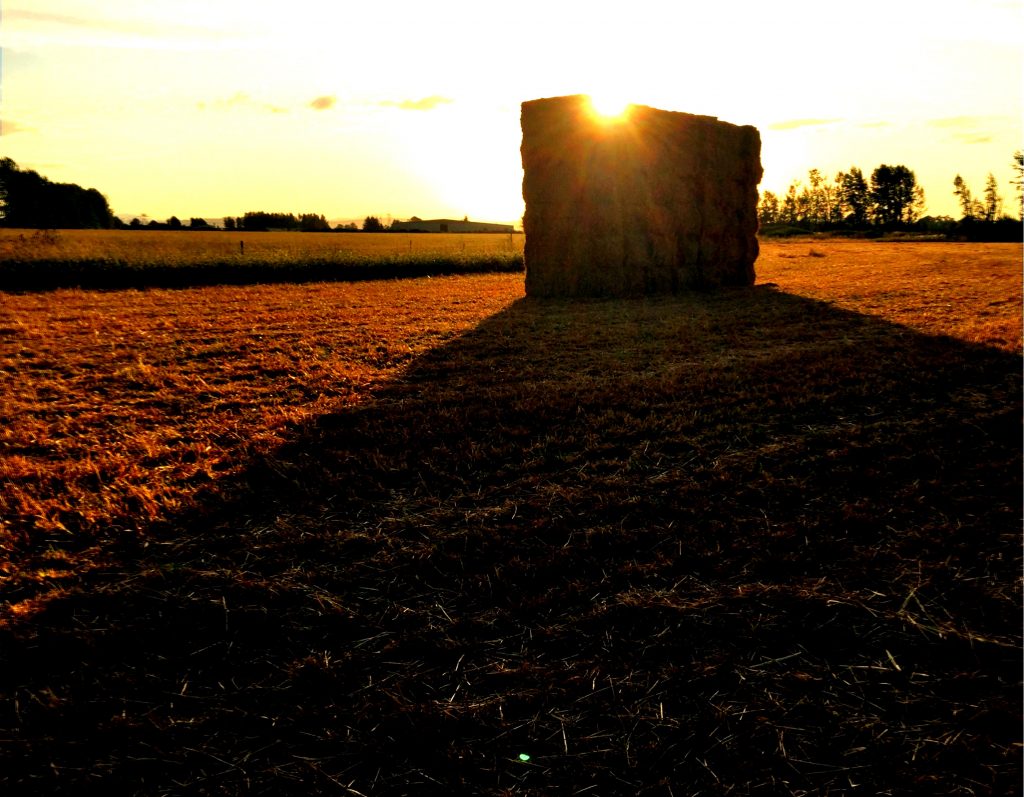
[{"x": 430, "y": 537}]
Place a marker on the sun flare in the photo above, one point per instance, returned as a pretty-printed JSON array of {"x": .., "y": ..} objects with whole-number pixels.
[{"x": 609, "y": 106}]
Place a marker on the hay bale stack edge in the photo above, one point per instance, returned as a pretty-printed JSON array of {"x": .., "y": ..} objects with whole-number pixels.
[{"x": 657, "y": 202}]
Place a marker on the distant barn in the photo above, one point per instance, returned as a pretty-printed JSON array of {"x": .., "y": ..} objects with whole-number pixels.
[{"x": 449, "y": 225}]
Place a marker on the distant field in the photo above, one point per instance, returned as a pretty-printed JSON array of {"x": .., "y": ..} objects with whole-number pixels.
[
  {"x": 147, "y": 246},
  {"x": 31, "y": 260},
  {"x": 385, "y": 537}
]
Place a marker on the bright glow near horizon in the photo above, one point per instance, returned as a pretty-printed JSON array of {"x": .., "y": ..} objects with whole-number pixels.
[
  {"x": 609, "y": 106},
  {"x": 213, "y": 109}
]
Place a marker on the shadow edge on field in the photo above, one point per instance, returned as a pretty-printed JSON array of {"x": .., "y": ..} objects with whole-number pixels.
[{"x": 438, "y": 530}]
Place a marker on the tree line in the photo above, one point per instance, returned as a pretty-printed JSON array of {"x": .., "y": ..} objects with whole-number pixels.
[
  {"x": 27, "y": 199},
  {"x": 890, "y": 199},
  {"x": 253, "y": 221},
  {"x": 262, "y": 221}
]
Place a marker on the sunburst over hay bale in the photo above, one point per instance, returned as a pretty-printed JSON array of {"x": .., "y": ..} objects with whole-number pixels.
[{"x": 655, "y": 202}]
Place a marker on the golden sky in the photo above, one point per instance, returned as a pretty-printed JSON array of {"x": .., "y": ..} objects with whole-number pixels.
[{"x": 217, "y": 107}]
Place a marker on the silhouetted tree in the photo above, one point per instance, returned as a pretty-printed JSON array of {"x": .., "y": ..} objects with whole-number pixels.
[
  {"x": 135, "y": 224},
  {"x": 917, "y": 206},
  {"x": 29, "y": 200},
  {"x": 818, "y": 205},
  {"x": 829, "y": 202},
  {"x": 311, "y": 222},
  {"x": 815, "y": 198},
  {"x": 854, "y": 196},
  {"x": 767, "y": 209},
  {"x": 803, "y": 205},
  {"x": 259, "y": 220},
  {"x": 981, "y": 220},
  {"x": 198, "y": 224},
  {"x": 963, "y": 195},
  {"x": 892, "y": 194},
  {"x": 372, "y": 224},
  {"x": 788, "y": 211},
  {"x": 893, "y": 199},
  {"x": 993, "y": 202},
  {"x": 229, "y": 223},
  {"x": 1018, "y": 181}
]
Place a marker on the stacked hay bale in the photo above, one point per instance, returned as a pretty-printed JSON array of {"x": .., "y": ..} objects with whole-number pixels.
[{"x": 656, "y": 202}]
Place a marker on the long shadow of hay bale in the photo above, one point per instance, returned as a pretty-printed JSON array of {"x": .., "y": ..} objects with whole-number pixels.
[{"x": 722, "y": 541}]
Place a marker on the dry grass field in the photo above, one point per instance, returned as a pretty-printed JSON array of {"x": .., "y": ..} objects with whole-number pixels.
[
  {"x": 163, "y": 258},
  {"x": 168, "y": 246},
  {"x": 430, "y": 537}
]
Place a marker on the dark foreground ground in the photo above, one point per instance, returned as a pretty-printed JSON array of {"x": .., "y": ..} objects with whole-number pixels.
[{"x": 739, "y": 544}]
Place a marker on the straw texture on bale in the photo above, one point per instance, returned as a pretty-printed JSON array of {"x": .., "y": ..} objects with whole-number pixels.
[{"x": 657, "y": 202}]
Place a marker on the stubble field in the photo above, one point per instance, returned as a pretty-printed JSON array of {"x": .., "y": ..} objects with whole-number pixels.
[{"x": 390, "y": 537}]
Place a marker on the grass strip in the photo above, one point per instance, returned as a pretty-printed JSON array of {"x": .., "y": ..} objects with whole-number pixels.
[{"x": 114, "y": 274}]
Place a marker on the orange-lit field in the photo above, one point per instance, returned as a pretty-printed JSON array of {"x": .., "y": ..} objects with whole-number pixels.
[
  {"x": 147, "y": 246},
  {"x": 384, "y": 537},
  {"x": 172, "y": 259}
]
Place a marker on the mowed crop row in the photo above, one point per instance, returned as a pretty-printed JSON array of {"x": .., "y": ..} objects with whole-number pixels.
[{"x": 393, "y": 534}]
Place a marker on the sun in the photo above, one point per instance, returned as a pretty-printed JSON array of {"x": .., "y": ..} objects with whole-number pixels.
[{"x": 609, "y": 106}]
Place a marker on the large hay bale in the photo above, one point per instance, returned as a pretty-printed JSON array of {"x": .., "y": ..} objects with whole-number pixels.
[{"x": 656, "y": 202}]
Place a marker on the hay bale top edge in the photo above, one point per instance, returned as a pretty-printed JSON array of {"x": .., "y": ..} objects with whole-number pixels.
[{"x": 581, "y": 101}]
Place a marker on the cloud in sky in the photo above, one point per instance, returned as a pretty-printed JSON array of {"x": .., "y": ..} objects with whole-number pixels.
[
  {"x": 793, "y": 124},
  {"x": 240, "y": 99},
  {"x": 71, "y": 21},
  {"x": 424, "y": 104},
  {"x": 33, "y": 28},
  {"x": 972, "y": 138},
  {"x": 966, "y": 129},
  {"x": 9, "y": 128},
  {"x": 956, "y": 121},
  {"x": 323, "y": 103}
]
